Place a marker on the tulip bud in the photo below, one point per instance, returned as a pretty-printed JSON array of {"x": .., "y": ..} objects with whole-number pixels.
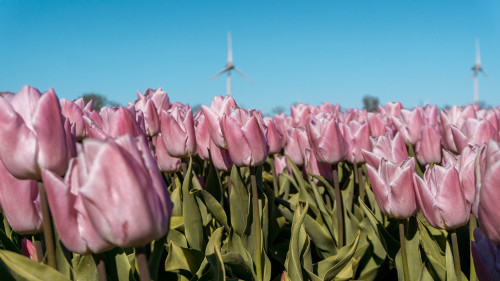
[
  {"x": 393, "y": 187},
  {"x": 246, "y": 141},
  {"x": 177, "y": 130},
  {"x": 32, "y": 134},
  {"x": 326, "y": 140},
  {"x": 440, "y": 197}
]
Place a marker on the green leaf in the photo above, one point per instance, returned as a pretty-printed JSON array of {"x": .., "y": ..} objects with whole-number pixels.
[
  {"x": 62, "y": 262},
  {"x": 304, "y": 195},
  {"x": 237, "y": 266},
  {"x": 292, "y": 263},
  {"x": 155, "y": 258},
  {"x": 239, "y": 202},
  {"x": 332, "y": 266},
  {"x": 213, "y": 184},
  {"x": 214, "y": 256},
  {"x": 86, "y": 269},
  {"x": 193, "y": 222},
  {"x": 391, "y": 245},
  {"x": 117, "y": 264},
  {"x": 28, "y": 269},
  {"x": 213, "y": 207},
  {"x": 432, "y": 250},
  {"x": 183, "y": 261},
  {"x": 175, "y": 196}
]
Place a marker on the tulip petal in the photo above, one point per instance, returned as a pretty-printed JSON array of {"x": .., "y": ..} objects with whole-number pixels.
[
  {"x": 49, "y": 127},
  {"x": 237, "y": 144},
  {"x": 19, "y": 145}
]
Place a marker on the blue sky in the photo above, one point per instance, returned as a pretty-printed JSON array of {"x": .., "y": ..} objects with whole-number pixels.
[{"x": 416, "y": 52}]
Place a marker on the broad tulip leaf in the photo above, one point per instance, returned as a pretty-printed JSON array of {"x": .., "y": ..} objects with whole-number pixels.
[
  {"x": 412, "y": 252},
  {"x": 63, "y": 265},
  {"x": 213, "y": 184},
  {"x": 184, "y": 261},
  {"x": 238, "y": 202},
  {"x": 391, "y": 246},
  {"x": 237, "y": 266},
  {"x": 117, "y": 264},
  {"x": 155, "y": 258},
  {"x": 177, "y": 237},
  {"x": 86, "y": 269},
  {"x": 292, "y": 263},
  {"x": 304, "y": 195},
  {"x": 29, "y": 269},
  {"x": 177, "y": 223},
  {"x": 213, "y": 207},
  {"x": 214, "y": 255},
  {"x": 175, "y": 196},
  {"x": 330, "y": 267},
  {"x": 193, "y": 222},
  {"x": 432, "y": 250}
]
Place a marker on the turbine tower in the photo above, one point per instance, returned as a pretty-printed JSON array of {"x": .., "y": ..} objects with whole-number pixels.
[
  {"x": 230, "y": 66},
  {"x": 475, "y": 71}
]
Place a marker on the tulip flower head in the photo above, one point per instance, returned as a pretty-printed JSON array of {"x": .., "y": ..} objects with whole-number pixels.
[{"x": 32, "y": 134}]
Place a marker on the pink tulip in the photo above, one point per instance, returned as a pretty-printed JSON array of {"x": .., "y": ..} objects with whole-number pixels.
[
  {"x": 202, "y": 135},
  {"x": 283, "y": 122},
  {"x": 274, "y": 137},
  {"x": 20, "y": 203},
  {"x": 329, "y": 108},
  {"x": 177, "y": 130},
  {"x": 326, "y": 139},
  {"x": 151, "y": 104},
  {"x": 393, "y": 150},
  {"x": 490, "y": 115},
  {"x": 357, "y": 137},
  {"x": 314, "y": 167},
  {"x": 455, "y": 116},
  {"x": 112, "y": 195},
  {"x": 391, "y": 109},
  {"x": 440, "y": 197},
  {"x": 300, "y": 112},
  {"x": 166, "y": 163},
  {"x": 378, "y": 126},
  {"x": 355, "y": 114},
  {"x": 296, "y": 144},
  {"x": 32, "y": 134},
  {"x": 246, "y": 141},
  {"x": 465, "y": 167},
  {"x": 220, "y": 157},
  {"x": 113, "y": 122},
  {"x": 28, "y": 249},
  {"x": 474, "y": 132},
  {"x": 428, "y": 148},
  {"x": 280, "y": 164},
  {"x": 74, "y": 112},
  {"x": 410, "y": 124},
  {"x": 488, "y": 196},
  {"x": 393, "y": 187},
  {"x": 486, "y": 256},
  {"x": 213, "y": 115}
]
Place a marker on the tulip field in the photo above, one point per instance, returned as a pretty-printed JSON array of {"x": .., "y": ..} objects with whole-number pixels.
[{"x": 155, "y": 191}]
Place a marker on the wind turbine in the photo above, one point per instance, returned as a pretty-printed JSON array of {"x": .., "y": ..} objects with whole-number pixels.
[
  {"x": 230, "y": 66},
  {"x": 475, "y": 71}
]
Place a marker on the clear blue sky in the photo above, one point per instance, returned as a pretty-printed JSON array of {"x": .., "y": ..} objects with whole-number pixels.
[{"x": 416, "y": 52}]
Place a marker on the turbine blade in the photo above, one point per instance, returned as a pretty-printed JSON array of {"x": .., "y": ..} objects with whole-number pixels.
[
  {"x": 486, "y": 75},
  {"x": 229, "y": 49},
  {"x": 470, "y": 76},
  {"x": 218, "y": 73},
  {"x": 242, "y": 74},
  {"x": 478, "y": 53}
]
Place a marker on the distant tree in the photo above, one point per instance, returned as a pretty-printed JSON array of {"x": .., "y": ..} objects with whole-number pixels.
[
  {"x": 277, "y": 110},
  {"x": 196, "y": 108},
  {"x": 99, "y": 100},
  {"x": 370, "y": 103},
  {"x": 483, "y": 104}
]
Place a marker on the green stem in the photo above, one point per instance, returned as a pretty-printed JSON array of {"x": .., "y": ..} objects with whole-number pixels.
[
  {"x": 361, "y": 186},
  {"x": 48, "y": 231},
  {"x": 39, "y": 250},
  {"x": 256, "y": 217},
  {"x": 472, "y": 226},
  {"x": 456, "y": 255},
  {"x": 338, "y": 203},
  {"x": 101, "y": 267},
  {"x": 142, "y": 264},
  {"x": 275, "y": 178},
  {"x": 402, "y": 241}
]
